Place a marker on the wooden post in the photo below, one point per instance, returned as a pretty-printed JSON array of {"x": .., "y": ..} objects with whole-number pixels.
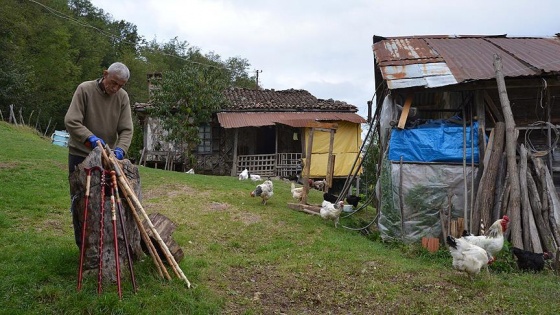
[
  {"x": 234, "y": 164},
  {"x": 511, "y": 144},
  {"x": 307, "y": 167},
  {"x": 330, "y": 163}
]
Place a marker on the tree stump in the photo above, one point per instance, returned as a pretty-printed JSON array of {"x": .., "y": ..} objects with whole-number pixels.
[
  {"x": 100, "y": 199},
  {"x": 165, "y": 227}
]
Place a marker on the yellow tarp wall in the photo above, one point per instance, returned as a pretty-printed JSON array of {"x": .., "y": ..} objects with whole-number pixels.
[{"x": 346, "y": 146}]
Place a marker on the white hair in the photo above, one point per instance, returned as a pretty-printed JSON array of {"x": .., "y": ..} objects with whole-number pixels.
[{"x": 120, "y": 70}]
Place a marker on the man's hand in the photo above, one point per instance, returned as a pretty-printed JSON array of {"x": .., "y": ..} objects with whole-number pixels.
[
  {"x": 119, "y": 153},
  {"x": 91, "y": 141}
]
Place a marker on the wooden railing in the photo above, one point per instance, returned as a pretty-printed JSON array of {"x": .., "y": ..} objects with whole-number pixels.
[{"x": 281, "y": 164}]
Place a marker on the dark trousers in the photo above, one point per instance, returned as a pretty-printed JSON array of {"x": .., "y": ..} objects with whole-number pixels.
[{"x": 73, "y": 162}]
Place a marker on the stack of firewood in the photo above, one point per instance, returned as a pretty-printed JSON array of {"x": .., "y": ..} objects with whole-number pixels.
[
  {"x": 533, "y": 207},
  {"x": 516, "y": 183}
]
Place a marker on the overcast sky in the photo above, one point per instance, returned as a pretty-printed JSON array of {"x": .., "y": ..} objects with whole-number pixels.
[{"x": 324, "y": 46}]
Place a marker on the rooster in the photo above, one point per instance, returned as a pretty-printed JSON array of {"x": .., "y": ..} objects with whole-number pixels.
[
  {"x": 264, "y": 191},
  {"x": 297, "y": 192},
  {"x": 468, "y": 257},
  {"x": 330, "y": 211},
  {"x": 494, "y": 240},
  {"x": 527, "y": 260}
]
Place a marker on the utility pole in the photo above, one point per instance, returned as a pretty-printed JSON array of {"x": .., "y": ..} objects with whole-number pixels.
[{"x": 258, "y": 71}]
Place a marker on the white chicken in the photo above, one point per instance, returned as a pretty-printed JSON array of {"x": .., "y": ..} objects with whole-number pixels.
[
  {"x": 297, "y": 192},
  {"x": 468, "y": 257},
  {"x": 494, "y": 240},
  {"x": 244, "y": 174},
  {"x": 264, "y": 190},
  {"x": 255, "y": 177},
  {"x": 330, "y": 211}
]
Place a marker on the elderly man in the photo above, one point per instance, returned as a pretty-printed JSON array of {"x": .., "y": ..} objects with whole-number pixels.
[{"x": 99, "y": 111}]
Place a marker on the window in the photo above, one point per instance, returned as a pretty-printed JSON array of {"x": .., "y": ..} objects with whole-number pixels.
[{"x": 205, "y": 136}]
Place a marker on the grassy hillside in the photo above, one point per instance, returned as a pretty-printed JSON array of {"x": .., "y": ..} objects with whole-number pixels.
[{"x": 242, "y": 257}]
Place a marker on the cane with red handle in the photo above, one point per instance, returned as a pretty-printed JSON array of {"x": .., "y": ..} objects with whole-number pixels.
[
  {"x": 116, "y": 243},
  {"x": 123, "y": 229}
]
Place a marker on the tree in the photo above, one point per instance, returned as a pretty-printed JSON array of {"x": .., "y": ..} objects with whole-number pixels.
[{"x": 185, "y": 99}]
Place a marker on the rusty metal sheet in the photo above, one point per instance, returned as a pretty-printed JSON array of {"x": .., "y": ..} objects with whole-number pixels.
[
  {"x": 433, "y": 61},
  {"x": 294, "y": 119},
  {"x": 403, "y": 50},
  {"x": 541, "y": 54}
]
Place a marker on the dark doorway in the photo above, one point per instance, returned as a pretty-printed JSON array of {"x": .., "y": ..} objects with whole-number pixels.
[{"x": 266, "y": 140}]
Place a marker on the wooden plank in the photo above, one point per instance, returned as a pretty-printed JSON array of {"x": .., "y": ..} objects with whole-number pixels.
[
  {"x": 310, "y": 209},
  {"x": 406, "y": 109},
  {"x": 321, "y": 125}
]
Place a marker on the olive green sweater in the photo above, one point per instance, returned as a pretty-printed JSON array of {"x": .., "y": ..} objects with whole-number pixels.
[{"x": 92, "y": 112}]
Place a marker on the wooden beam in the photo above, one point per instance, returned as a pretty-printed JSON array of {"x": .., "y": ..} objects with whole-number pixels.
[
  {"x": 330, "y": 163},
  {"x": 310, "y": 209},
  {"x": 514, "y": 205},
  {"x": 234, "y": 164},
  {"x": 321, "y": 126},
  {"x": 307, "y": 168},
  {"x": 406, "y": 109},
  {"x": 492, "y": 107}
]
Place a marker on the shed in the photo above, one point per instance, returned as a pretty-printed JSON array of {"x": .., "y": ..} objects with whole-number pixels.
[{"x": 450, "y": 83}]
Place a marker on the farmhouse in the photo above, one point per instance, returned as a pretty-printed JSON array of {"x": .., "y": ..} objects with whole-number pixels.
[
  {"x": 438, "y": 113},
  {"x": 267, "y": 132}
]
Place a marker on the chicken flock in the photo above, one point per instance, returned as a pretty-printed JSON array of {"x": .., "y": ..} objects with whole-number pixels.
[
  {"x": 331, "y": 207},
  {"x": 469, "y": 253}
]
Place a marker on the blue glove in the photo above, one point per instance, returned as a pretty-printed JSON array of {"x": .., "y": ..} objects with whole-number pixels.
[
  {"x": 92, "y": 141},
  {"x": 119, "y": 153}
]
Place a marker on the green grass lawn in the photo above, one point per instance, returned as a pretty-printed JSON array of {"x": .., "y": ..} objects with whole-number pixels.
[{"x": 241, "y": 257}]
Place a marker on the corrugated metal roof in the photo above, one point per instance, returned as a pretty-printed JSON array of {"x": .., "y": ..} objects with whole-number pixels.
[
  {"x": 433, "y": 61},
  {"x": 294, "y": 119}
]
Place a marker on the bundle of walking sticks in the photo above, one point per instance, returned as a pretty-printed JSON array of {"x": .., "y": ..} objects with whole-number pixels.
[{"x": 119, "y": 183}]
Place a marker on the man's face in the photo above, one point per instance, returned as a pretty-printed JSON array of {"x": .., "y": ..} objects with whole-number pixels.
[{"x": 112, "y": 83}]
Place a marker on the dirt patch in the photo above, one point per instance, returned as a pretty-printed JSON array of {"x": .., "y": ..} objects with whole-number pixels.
[
  {"x": 246, "y": 218},
  {"x": 8, "y": 165},
  {"x": 267, "y": 290},
  {"x": 218, "y": 206},
  {"x": 169, "y": 191}
]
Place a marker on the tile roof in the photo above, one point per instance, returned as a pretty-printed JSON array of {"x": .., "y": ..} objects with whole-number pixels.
[
  {"x": 242, "y": 99},
  {"x": 432, "y": 61}
]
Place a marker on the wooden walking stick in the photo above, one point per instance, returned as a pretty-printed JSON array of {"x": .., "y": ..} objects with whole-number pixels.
[
  {"x": 137, "y": 206},
  {"x": 84, "y": 225},
  {"x": 115, "y": 240},
  {"x": 101, "y": 223}
]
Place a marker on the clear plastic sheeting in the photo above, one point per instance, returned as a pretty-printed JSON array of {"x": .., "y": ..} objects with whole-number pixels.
[{"x": 412, "y": 196}]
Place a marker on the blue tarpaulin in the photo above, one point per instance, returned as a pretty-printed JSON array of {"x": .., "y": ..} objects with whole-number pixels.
[{"x": 435, "y": 141}]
